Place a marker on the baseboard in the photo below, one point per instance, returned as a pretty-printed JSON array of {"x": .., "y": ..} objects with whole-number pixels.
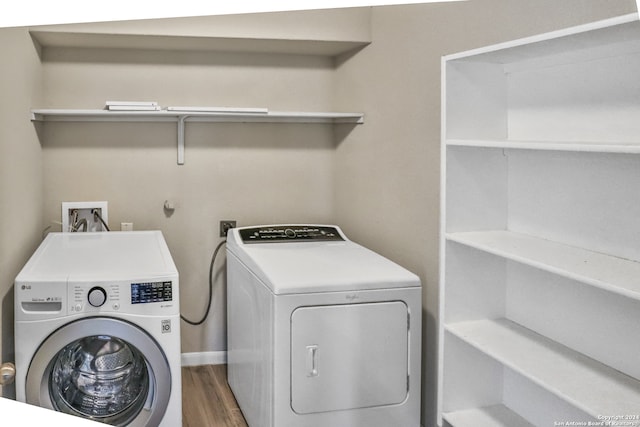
[{"x": 204, "y": 358}]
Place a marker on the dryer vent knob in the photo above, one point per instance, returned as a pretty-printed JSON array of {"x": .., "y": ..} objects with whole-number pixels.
[{"x": 97, "y": 296}]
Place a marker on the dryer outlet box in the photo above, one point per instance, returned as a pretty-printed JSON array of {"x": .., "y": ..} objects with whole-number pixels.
[
  {"x": 225, "y": 226},
  {"x": 84, "y": 216}
]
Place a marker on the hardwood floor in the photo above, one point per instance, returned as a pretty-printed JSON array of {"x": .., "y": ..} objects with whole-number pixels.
[{"x": 207, "y": 400}]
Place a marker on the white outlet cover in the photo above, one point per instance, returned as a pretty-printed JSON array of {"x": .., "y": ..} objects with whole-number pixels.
[{"x": 87, "y": 206}]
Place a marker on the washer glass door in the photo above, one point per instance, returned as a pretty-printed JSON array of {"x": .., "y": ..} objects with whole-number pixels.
[
  {"x": 105, "y": 378},
  {"x": 101, "y": 377}
]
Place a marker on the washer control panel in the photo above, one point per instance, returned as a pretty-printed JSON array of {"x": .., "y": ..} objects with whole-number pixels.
[
  {"x": 143, "y": 293},
  {"x": 289, "y": 233},
  {"x": 88, "y": 297}
]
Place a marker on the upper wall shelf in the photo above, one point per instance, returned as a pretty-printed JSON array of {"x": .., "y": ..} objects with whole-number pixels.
[
  {"x": 526, "y": 85},
  {"x": 181, "y": 117},
  {"x": 606, "y": 38},
  {"x": 89, "y": 40}
]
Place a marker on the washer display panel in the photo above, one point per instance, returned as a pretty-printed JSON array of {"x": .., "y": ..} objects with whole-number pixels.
[{"x": 105, "y": 378}]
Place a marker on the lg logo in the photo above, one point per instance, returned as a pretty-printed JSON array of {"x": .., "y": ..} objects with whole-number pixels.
[{"x": 166, "y": 326}]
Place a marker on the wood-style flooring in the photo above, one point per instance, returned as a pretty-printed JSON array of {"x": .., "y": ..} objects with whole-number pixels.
[{"x": 207, "y": 400}]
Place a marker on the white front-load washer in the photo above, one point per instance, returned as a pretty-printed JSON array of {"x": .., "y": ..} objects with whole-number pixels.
[
  {"x": 97, "y": 328},
  {"x": 321, "y": 331}
]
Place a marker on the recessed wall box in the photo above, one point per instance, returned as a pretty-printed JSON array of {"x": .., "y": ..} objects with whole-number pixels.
[{"x": 84, "y": 216}]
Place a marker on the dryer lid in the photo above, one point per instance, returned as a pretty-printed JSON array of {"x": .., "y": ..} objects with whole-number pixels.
[{"x": 329, "y": 266}]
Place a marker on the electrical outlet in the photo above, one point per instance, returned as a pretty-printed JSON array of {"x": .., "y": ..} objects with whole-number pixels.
[
  {"x": 84, "y": 216},
  {"x": 225, "y": 225}
]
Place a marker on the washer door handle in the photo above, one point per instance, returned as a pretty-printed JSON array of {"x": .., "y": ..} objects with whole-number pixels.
[{"x": 312, "y": 361}]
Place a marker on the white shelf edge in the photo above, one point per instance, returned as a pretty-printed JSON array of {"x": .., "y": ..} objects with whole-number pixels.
[
  {"x": 165, "y": 115},
  {"x": 595, "y": 147},
  {"x": 118, "y": 40},
  {"x": 487, "y": 416},
  {"x": 606, "y": 272},
  {"x": 549, "y": 37},
  {"x": 182, "y": 117},
  {"x": 584, "y": 383}
]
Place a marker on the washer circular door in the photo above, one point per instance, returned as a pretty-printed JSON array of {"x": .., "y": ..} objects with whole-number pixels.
[{"x": 102, "y": 369}]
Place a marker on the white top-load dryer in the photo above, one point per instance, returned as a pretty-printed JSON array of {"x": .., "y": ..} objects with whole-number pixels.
[
  {"x": 97, "y": 328},
  {"x": 321, "y": 331}
]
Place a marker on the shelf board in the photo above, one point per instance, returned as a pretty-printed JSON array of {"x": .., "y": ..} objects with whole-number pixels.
[
  {"x": 488, "y": 416},
  {"x": 595, "y": 147},
  {"x": 608, "y": 37},
  {"x": 182, "y": 117},
  {"x": 579, "y": 380},
  {"x": 603, "y": 271},
  {"x": 89, "y": 40},
  {"x": 78, "y": 115}
]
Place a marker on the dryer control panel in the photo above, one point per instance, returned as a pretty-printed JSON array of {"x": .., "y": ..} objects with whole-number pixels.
[{"x": 289, "y": 233}]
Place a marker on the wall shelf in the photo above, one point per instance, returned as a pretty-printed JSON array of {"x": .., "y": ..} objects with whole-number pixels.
[
  {"x": 84, "y": 40},
  {"x": 488, "y": 416},
  {"x": 586, "y": 383},
  {"x": 613, "y": 274},
  {"x": 595, "y": 147},
  {"x": 182, "y": 117}
]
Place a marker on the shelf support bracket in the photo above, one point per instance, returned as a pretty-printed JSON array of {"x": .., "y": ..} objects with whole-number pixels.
[{"x": 181, "y": 120}]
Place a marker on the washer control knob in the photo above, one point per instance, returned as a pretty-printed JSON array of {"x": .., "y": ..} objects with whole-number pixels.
[{"x": 97, "y": 296}]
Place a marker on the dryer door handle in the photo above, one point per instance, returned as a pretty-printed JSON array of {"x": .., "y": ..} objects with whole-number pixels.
[{"x": 312, "y": 361}]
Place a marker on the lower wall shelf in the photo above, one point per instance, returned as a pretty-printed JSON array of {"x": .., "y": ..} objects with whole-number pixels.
[
  {"x": 585, "y": 383},
  {"x": 182, "y": 117},
  {"x": 79, "y": 115},
  {"x": 488, "y": 416}
]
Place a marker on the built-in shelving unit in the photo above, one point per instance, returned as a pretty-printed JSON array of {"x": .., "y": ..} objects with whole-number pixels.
[
  {"x": 540, "y": 260},
  {"x": 181, "y": 117}
]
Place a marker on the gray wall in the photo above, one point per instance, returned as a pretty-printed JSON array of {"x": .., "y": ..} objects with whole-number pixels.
[
  {"x": 252, "y": 173},
  {"x": 387, "y": 172},
  {"x": 20, "y": 170}
]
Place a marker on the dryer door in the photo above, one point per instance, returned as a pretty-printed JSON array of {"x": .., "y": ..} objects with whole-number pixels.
[
  {"x": 103, "y": 369},
  {"x": 349, "y": 356}
]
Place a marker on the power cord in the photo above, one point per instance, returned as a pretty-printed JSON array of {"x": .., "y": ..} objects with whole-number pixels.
[
  {"x": 206, "y": 313},
  {"x": 97, "y": 215}
]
